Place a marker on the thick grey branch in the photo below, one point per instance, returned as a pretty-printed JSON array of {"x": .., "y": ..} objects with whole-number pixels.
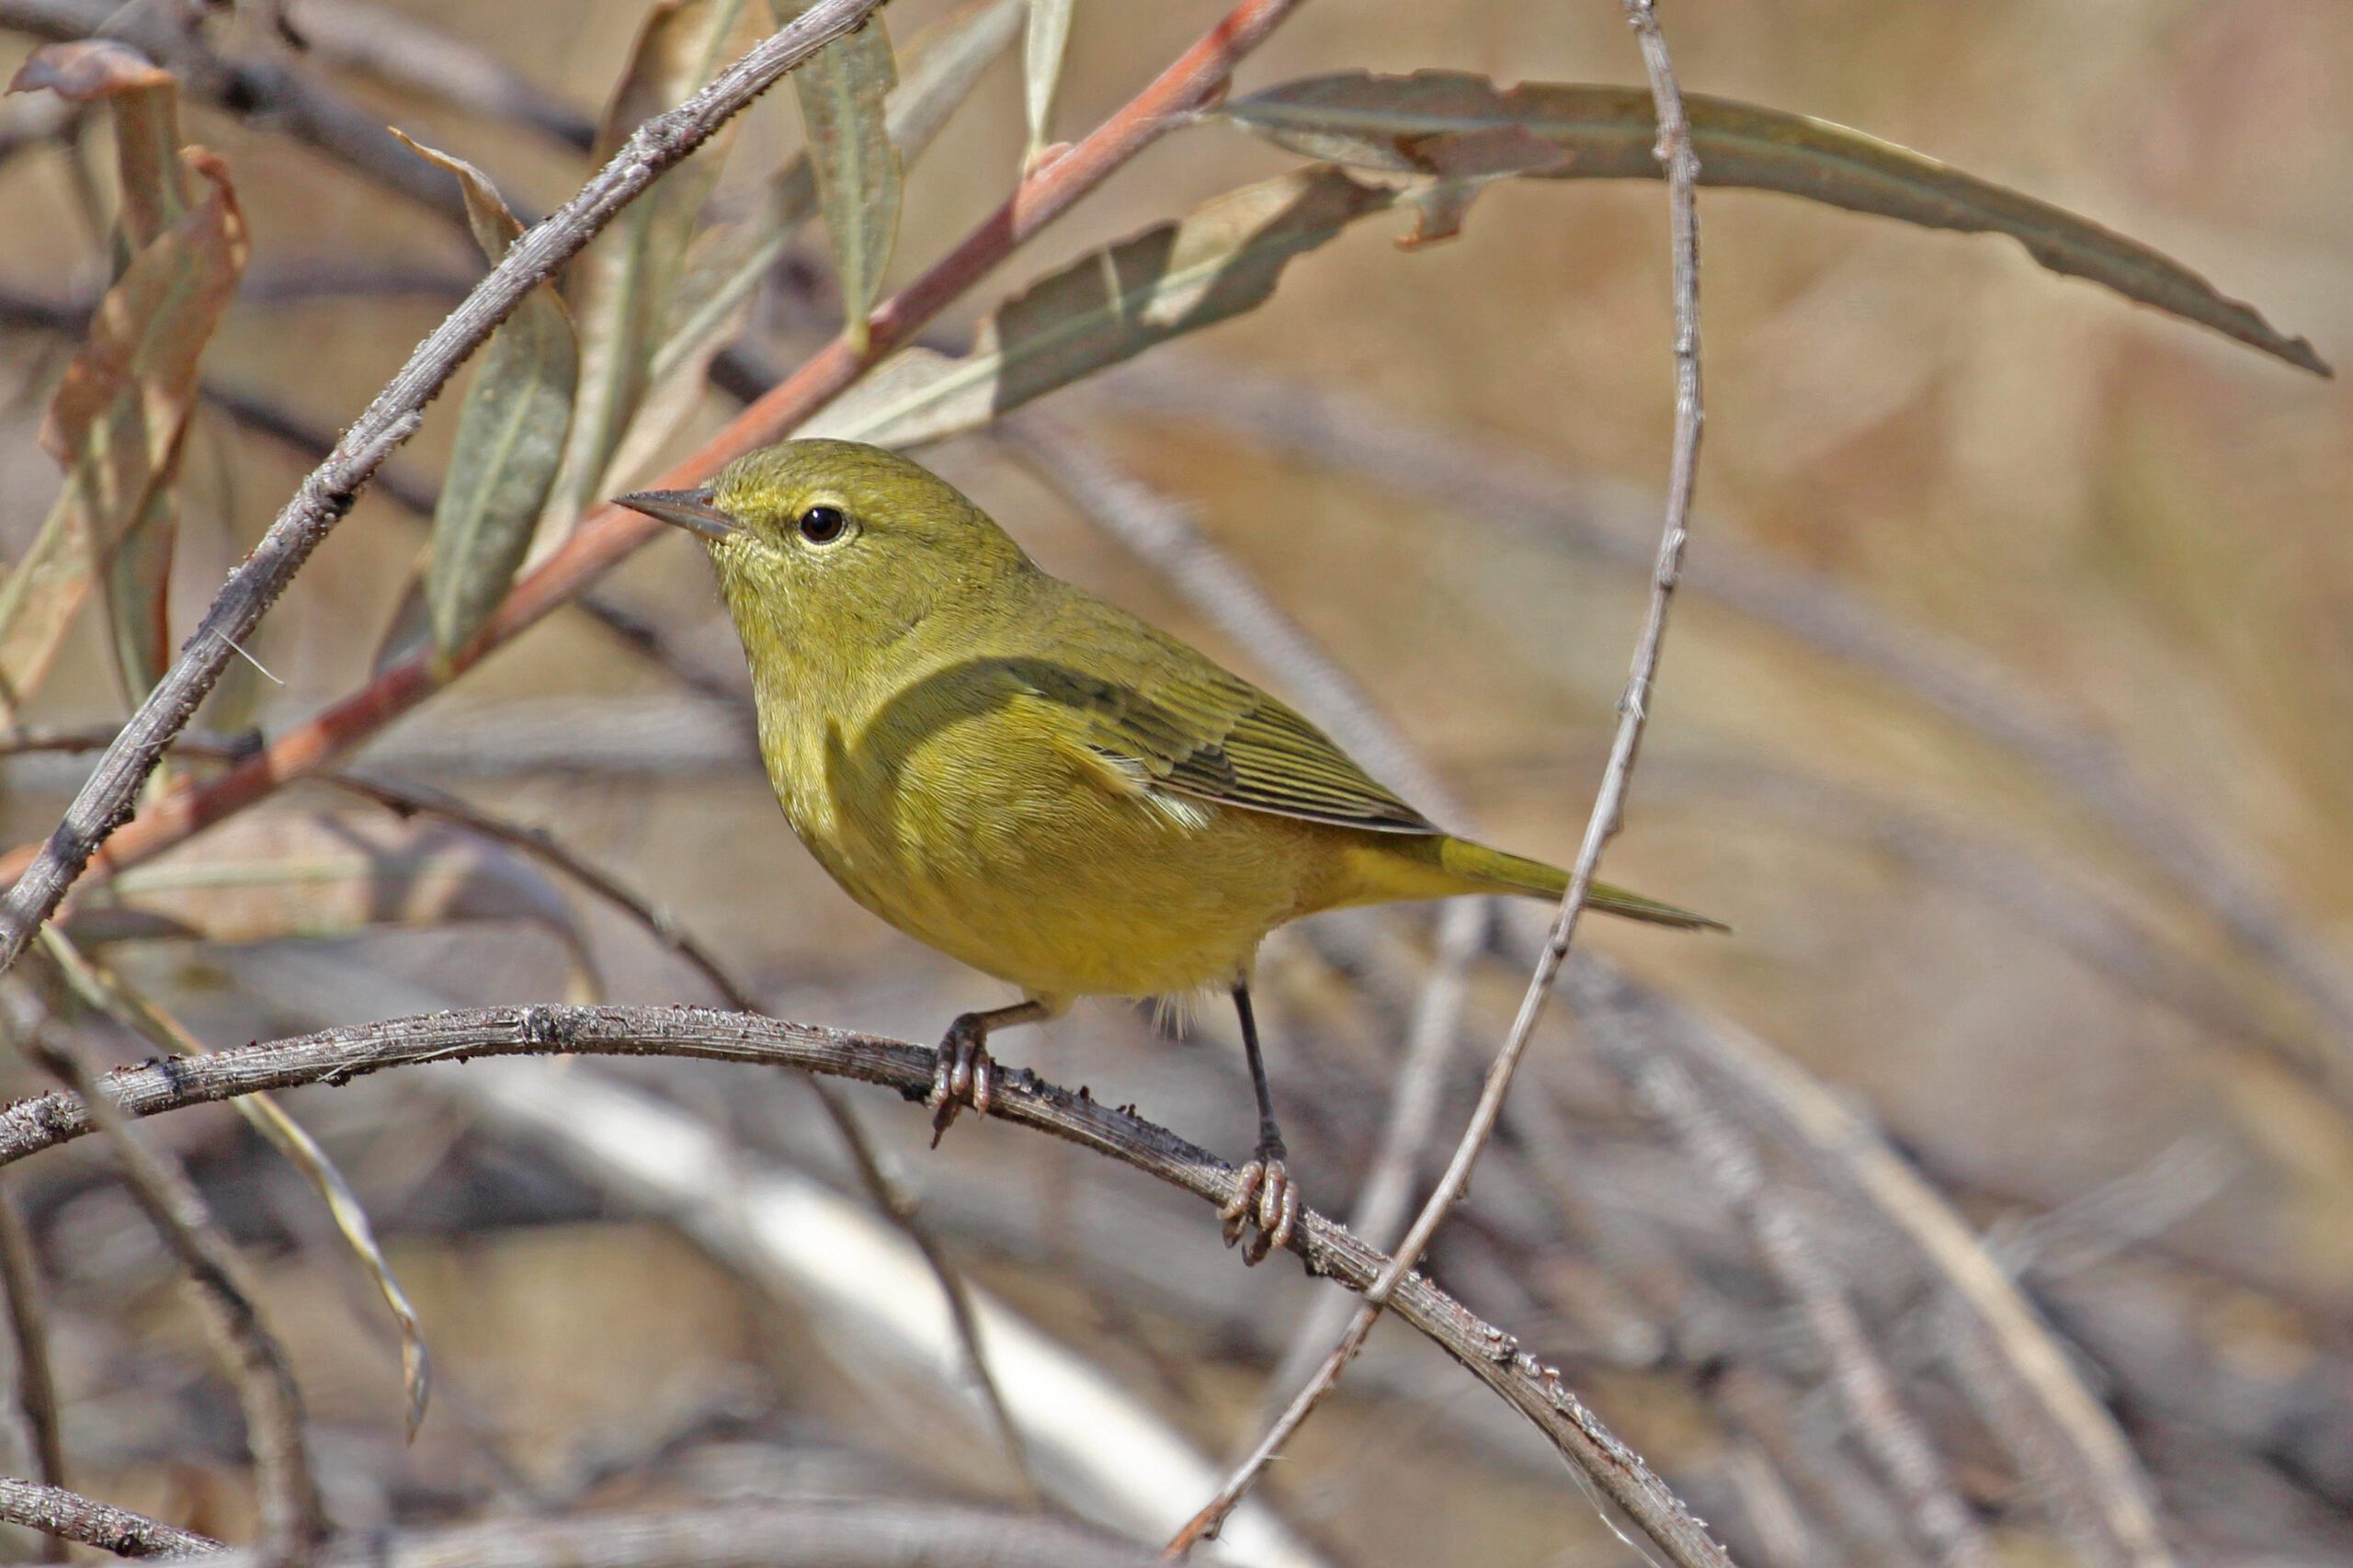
[
  {"x": 337, "y": 1056},
  {"x": 69, "y": 1515}
]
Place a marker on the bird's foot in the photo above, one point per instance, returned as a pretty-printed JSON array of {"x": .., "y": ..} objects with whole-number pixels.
[
  {"x": 1265, "y": 1202},
  {"x": 964, "y": 1074}
]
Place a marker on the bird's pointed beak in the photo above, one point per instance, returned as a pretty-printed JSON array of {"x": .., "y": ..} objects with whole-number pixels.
[{"x": 688, "y": 509}]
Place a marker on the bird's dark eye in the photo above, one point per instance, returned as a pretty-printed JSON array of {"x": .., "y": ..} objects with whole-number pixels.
[{"x": 823, "y": 524}]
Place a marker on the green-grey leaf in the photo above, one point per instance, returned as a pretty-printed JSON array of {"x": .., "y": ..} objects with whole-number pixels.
[
  {"x": 1461, "y": 126},
  {"x": 1220, "y": 260},
  {"x": 1041, "y": 68},
  {"x": 622, "y": 290},
  {"x": 943, "y": 62},
  {"x": 510, "y": 439},
  {"x": 842, "y": 89}
]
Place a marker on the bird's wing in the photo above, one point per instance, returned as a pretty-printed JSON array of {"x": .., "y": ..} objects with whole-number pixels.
[{"x": 1186, "y": 726}]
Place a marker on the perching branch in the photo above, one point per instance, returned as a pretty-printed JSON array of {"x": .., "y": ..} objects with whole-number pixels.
[
  {"x": 65, "y": 1515},
  {"x": 110, "y": 796},
  {"x": 337, "y": 1056}
]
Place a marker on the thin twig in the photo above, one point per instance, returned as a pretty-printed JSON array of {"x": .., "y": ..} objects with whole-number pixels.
[
  {"x": 65, "y": 1515},
  {"x": 1682, "y": 166},
  {"x": 29, "y": 1332},
  {"x": 291, "y": 1520},
  {"x": 609, "y": 533},
  {"x": 108, "y": 800},
  {"x": 337, "y": 1056}
]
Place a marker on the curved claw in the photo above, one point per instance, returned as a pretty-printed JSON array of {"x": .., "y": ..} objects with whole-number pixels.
[
  {"x": 1265, "y": 1202},
  {"x": 964, "y": 1074}
]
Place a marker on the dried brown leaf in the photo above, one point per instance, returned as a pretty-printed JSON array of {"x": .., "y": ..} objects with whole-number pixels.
[
  {"x": 116, "y": 426},
  {"x": 145, "y": 98}
]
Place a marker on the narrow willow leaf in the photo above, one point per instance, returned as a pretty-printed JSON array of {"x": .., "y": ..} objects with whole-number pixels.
[
  {"x": 101, "y": 988},
  {"x": 116, "y": 428},
  {"x": 943, "y": 64},
  {"x": 1462, "y": 127},
  {"x": 145, "y": 99},
  {"x": 1041, "y": 68},
  {"x": 842, "y": 89},
  {"x": 621, "y": 289},
  {"x": 1220, "y": 260},
  {"x": 509, "y": 441}
]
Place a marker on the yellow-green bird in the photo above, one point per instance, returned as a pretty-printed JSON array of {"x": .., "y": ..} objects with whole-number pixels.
[{"x": 1033, "y": 780}]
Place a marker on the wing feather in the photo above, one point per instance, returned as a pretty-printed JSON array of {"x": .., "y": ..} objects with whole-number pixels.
[{"x": 1191, "y": 727}]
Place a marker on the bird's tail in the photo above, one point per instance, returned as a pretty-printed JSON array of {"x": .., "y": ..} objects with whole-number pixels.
[{"x": 1481, "y": 870}]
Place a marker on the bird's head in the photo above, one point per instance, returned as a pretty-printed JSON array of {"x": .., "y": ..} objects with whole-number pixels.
[{"x": 835, "y": 545}]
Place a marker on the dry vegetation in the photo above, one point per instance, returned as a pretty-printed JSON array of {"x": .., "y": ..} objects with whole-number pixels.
[{"x": 1983, "y": 1200}]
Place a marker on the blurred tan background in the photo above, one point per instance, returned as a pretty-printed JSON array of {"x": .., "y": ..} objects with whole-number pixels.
[{"x": 2106, "y": 529}]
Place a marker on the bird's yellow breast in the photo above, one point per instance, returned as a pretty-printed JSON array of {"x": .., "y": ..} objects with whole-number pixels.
[{"x": 982, "y": 824}]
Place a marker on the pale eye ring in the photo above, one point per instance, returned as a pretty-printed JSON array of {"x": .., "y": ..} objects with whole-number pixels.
[{"x": 823, "y": 524}]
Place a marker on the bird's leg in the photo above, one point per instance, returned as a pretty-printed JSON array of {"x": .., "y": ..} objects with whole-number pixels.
[
  {"x": 1266, "y": 1197},
  {"x": 965, "y": 1073}
]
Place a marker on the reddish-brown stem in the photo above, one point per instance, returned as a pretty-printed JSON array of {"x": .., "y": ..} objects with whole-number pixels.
[{"x": 611, "y": 533}]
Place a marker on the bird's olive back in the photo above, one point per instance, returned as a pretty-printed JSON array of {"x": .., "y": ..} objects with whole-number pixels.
[{"x": 848, "y": 543}]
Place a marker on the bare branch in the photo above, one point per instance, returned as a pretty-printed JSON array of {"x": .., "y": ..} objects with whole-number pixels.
[
  {"x": 337, "y": 1056},
  {"x": 65, "y": 1515},
  {"x": 106, "y": 801}
]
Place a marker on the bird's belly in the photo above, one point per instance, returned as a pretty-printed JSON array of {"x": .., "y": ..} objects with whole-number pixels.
[{"x": 1064, "y": 888}]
